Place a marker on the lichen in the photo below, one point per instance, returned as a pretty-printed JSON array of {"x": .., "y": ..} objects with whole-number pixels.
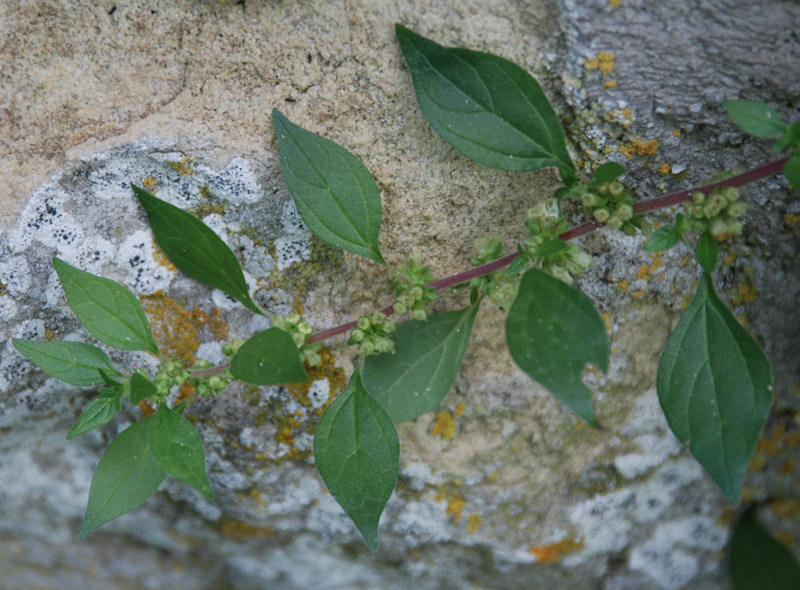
[{"x": 173, "y": 328}]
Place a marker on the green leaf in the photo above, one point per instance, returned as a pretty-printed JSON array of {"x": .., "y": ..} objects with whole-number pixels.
[
  {"x": 608, "y": 172},
  {"x": 792, "y": 171},
  {"x": 195, "y": 248},
  {"x": 664, "y": 238},
  {"x": 755, "y": 118},
  {"x": 549, "y": 247},
  {"x": 177, "y": 448},
  {"x": 335, "y": 194},
  {"x": 141, "y": 388},
  {"x": 487, "y": 107},
  {"x": 96, "y": 413},
  {"x": 358, "y": 456},
  {"x": 552, "y": 331},
  {"x": 74, "y": 362},
  {"x": 757, "y": 561},
  {"x": 268, "y": 358},
  {"x": 714, "y": 386},
  {"x": 707, "y": 251},
  {"x": 416, "y": 378},
  {"x": 110, "y": 312},
  {"x": 126, "y": 476}
]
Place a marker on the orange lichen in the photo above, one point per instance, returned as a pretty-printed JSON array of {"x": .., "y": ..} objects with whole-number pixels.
[
  {"x": 240, "y": 531},
  {"x": 445, "y": 425},
  {"x": 610, "y": 84},
  {"x": 787, "y": 467},
  {"x": 326, "y": 369},
  {"x": 624, "y": 117},
  {"x": 747, "y": 293},
  {"x": 161, "y": 257},
  {"x": 665, "y": 169},
  {"x": 146, "y": 408},
  {"x": 459, "y": 409},
  {"x": 150, "y": 183},
  {"x": 639, "y": 147},
  {"x": 792, "y": 218},
  {"x": 184, "y": 393},
  {"x": 474, "y": 523},
  {"x": 676, "y": 132},
  {"x": 785, "y": 537},
  {"x": 492, "y": 477},
  {"x": 553, "y": 552},
  {"x": 183, "y": 167},
  {"x": 172, "y": 327},
  {"x": 218, "y": 326},
  {"x": 615, "y": 3},
  {"x": 455, "y": 506}
]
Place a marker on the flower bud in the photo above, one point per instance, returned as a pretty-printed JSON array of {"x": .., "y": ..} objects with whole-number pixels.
[
  {"x": 601, "y": 215},
  {"x": 419, "y": 314},
  {"x": 614, "y": 222},
  {"x": 356, "y": 335},
  {"x": 731, "y": 194},
  {"x": 698, "y": 197},
  {"x": 624, "y": 212},
  {"x": 616, "y": 190},
  {"x": 364, "y": 323}
]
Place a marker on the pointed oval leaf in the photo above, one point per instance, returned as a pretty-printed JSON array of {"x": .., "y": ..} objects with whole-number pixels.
[
  {"x": 664, "y": 238},
  {"x": 714, "y": 387},
  {"x": 607, "y": 172},
  {"x": 707, "y": 251},
  {"x": 792, "y": 171},
  {"x": 195, "y": 248},
  {"x": 357, "y": 452},
  {"x": 416, "y": 378},
  {"x": 487, "y": 107},
  {"x": 141, "y": 388},
  {"x": 552, "y": 331},
  {"x": 754, "y": 117},
  {"x": 126, "y": 476},
  {"x": 177, "y": 447},
  {"x": 758, "y": 561},
  {"x": 96, "y": 413},
  {"x": 74, "y": 362},
  {"x": 268, "y": 358},
  {"x": 110, "y": 312},
  {"x": 334, "y": 193}
]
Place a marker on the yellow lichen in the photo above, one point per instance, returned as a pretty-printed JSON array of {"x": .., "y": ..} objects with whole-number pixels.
[
  {"x": 474, "y": 523},
  {"x": 445, "y": 425},
  {"x": 239, "y": 530},
  {"x": 553, "y": 552},
  {"x": 792, "y": 218},
  {"x": 610, "y": 84},
  {"x": 455, "y": 506},
  {"x": 615, "y": 3},
  {"x": 665, "y": 169},
  {"x": 639, "y": 147},
  {"x": 459, "y": 409},
  {"x": 161, "y": 257},
  {"x": 183, "y": 166},
  {"x": 150, "y": 183},
  {"x": 172, "y": 327}
]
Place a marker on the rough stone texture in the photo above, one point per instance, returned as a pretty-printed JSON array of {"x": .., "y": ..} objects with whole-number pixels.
[{"x": 95, "y": 96}]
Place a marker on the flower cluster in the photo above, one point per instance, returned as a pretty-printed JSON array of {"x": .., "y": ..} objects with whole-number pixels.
[
  {"x": 499, "y": 287},
  {"x": 293, "y": 325},
  {"x": 412, "y": 294},
  {"x": 209, "y": 386},
  {"x": 546, "y": 249},
  {"x": 717, "y": 212},
  {"x": 371, "y": 333},
  {"x": 610, "y": 203}
]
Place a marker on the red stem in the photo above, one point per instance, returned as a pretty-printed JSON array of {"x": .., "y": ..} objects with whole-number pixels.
[{"x": 579, "y": 230}]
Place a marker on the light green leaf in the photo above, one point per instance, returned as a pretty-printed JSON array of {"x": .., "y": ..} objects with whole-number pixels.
[
  {"x": 755, "y": 118},
  {"x": 358, "y": 456},
  {"x": 758, "y": 561},
  {"x": 110, "y": 312},
  {"x": 487, "y": 107},
  {"x": 97, "y": 412},
  {"x": 268, "y": 358},
  {"x": 126, "y": 476},
  {"x": 74, "y": 362},
  {"x": 176, "y": 446},
  {"x": 707, "y": 251},
  {"x": 608, "y": 172},
  {"x": 141, "y": 388},
  {"x": 195, "y": 248},
  {"x": 664, "y": 238},
  {"x": 416, "y": 378},
  {"x": 792, "y": 171},
  {"x": 714, "y": 386},
  {"x": 552, "y": 331},
  {"x": 334, "y": 193}
]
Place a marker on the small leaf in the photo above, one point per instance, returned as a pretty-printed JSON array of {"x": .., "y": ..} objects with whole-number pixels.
[
  {"x": 487, "y": 107},
  {"x": 755, "y": 118},
  {"x": 553, "y": 330},
  {"x": 110, "y": 312},
  {"x": 195, "y": 248},
  {"x": 74, "y": 362},
  {"x": 707, "y": 251},
  {"x": 714, "y": 387},
  {"x": 792, "y": 171},
  {"x": 141, "y": 388},
  {"x": 335, "y": 194},
  {"x": 358, "y": 456},
  {"x": 97, "y": 412},
  {"x": 607, "y": 172},
  {"x": 416, "y": 378},
  {"x": 268, "y": 358},
  {"x": 664, "y": 238},
  {"x": 177, "y": 448},
  {"x": 126, "y": 476},
  {"x": 758, "y": 561},
  {"x": 549, "y": 247}
]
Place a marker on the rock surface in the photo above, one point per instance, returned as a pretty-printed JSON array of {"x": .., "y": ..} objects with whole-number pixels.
[{"x": 501, "y": 488}]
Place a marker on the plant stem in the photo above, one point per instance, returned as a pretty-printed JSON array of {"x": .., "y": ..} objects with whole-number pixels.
[
  {"x": 579, "y": 230},
  {"x": 201, "y": 373}
]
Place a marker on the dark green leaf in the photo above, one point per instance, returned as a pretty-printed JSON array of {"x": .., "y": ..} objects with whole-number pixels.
[
  {"x": 758, "y": 561},
  {"x": 549, "y": 247},
  {"x": 127, "y": 475},
  {"x": 792, "y": 171},
  {"x": 268, "y": 358},
  {"x": 141, "y": 388},
  {"x": 487, "y": 107},
  {"x": 74, "y": 362},
  {"x": 195, "y": 248},
  {"x": 357, "y": 453},
  {"x": 97, "y": 412},
  {"x": 608, "y": 172},
  {"x": 755, "y": 118},
  {"x": 107, "y": 379},
  {"x": 335, "y": 194},
  {"x": 664, "y": 238},
  {"x": 707, "y": 251},
  {"x": 553, "y": 330},
  {"x": 176, "y": 446},
  {"x": 714, "y": 386},
  {"x": 416, "y": 378},
  {"x": 110, "y": 312}
]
